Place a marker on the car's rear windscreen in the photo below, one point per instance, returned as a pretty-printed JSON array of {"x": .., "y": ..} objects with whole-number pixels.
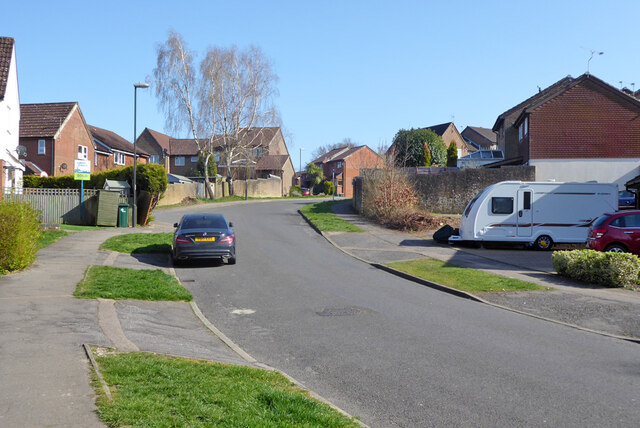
[{"x": 204, "y": 223}]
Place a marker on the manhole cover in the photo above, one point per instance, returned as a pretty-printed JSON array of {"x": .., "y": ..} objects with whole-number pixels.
[{"x": 339, "y": 312}]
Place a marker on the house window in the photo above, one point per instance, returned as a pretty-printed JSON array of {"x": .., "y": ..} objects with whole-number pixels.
[
  {"x": 118, "y": 158},
  {"x": 216, "y": 156},
  {"x": 83, "y": 152},
  {"x": 154, "y": 159},
  {"x": 180, "y": 161},
  {"x": 523, "y": 129},
  {"x": 95, "y": 158},
  {"x": 257, "y": 152},
  {"x": 194, "y": 159},
  {"x": 41, "y": 147},
  {"x": 339, "y": 165}
]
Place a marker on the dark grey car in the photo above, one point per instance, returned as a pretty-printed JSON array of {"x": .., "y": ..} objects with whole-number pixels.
[{"x": 203, "y": 236}]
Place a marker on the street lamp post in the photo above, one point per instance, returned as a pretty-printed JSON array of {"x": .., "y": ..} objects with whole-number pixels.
[
  {"x": 301, "y": 149},
  {"x": 140, "y": 85}
]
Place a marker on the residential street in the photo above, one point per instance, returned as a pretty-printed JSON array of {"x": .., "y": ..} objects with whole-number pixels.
[{"x": 396, "y": 353}]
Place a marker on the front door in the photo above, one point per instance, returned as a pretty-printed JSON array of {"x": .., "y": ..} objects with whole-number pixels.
[{"x": 525, "y": 214}]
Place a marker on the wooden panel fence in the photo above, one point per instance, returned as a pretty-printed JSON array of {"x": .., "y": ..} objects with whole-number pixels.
[{"x": 59, "y": 206}]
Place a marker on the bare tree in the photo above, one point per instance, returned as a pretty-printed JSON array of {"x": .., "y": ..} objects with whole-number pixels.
[{"x": 225, "y": 102}]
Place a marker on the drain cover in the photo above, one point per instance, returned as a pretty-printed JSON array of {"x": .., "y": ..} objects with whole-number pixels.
[
  {"x": 339, "y": 312},
  {"x": 188, "y": 280}
]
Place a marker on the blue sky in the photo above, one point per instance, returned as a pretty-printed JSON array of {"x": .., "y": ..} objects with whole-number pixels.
[{"x": 347, "y": 69}]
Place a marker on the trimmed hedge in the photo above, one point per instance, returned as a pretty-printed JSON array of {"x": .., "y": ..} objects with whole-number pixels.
[
  {"x": 608, "y": 269},
  {"x": 150, "y": 177},
  {"x": 19, "y": 235}
]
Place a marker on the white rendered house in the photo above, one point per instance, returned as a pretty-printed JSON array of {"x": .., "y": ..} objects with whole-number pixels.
[{"x": 12, "y": 168}]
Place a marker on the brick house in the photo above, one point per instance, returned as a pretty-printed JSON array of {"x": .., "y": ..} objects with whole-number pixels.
[
  {"x": 480, "y": 138},
  {"x": 113, "y": 151},
  {"x": 344, "y": 164},
  {"x": 156, "y": 144},
  {"x": 54, "y": 135},
  {"x": 449, "y": 134},
  {"x": 575, "y": 130},
  {"x": 268, "y": 154},
  {"x": 11, "y": 169},
  {"x": 183, "y": 156}
]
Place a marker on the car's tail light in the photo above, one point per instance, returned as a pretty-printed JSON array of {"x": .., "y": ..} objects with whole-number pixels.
[
  {"x": 182, "y": 240},
  {"x": 599, "y": 232},
  {"x": 227, "y": 239}
]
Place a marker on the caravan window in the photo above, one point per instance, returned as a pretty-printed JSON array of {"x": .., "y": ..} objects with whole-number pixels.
[
  {"x": 526, "y": 203},
  {"x": 501, "y": 205},
  {"x": 468, "y": 209}
]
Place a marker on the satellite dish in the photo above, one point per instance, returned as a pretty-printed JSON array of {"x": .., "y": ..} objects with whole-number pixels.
[
  {"x": 22, "y": 150},
  {"x": 63, "y": 166}
]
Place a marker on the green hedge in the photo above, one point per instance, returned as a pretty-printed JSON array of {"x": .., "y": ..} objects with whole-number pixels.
[
  {"x": 327, "y": 186},
  {"x": 608, "y": 269},
  {"x": 150, "y": 177},
  {"x": 19, "y": 234}
]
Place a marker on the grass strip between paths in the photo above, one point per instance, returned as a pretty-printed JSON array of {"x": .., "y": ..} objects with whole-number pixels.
[
  {"x": 322, "y": 216},
  {"x": 460, "y": 278},
  {"x": 137, "y": 243},
  {"x": 110, "y": 282},
  {"x": 48, "y": 237},
  {"x": 156, "y": 390}
]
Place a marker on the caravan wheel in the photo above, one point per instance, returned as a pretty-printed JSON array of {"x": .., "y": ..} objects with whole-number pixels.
[{"x": 543, "y": 243}]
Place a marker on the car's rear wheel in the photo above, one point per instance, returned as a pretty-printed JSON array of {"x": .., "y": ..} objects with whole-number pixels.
[
  {"x": 543, "y": 243},
  {"x": 616, "y": 248}
]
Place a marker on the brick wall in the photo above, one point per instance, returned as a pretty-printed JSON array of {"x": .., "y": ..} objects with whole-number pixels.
[
  {"x": 43, "y": 161},
  {"x": 585, "y": 122},
  {"x": 450, "y": 191}
]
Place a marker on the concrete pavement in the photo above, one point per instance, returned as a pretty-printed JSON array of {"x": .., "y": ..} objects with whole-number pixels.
[{"x": 44, "y": 375}]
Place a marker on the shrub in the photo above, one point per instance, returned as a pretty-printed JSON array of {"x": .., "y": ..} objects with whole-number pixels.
[
  {"x": 327, "y": 187},
  {"x": 19, "y": 234},
  {"x": 295, "y": 190},
  {"x": 608, "y": 269}
]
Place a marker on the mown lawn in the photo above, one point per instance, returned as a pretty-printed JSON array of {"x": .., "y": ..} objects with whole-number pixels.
[
  {"x": 48, "y": 237},
  {"x": 136, "y": 243},
  {"x": 162, "y": 391},
  {"x": 324, "y": 219},
  {"x": 110, "y": 282},
  {"x": 460, "y": 278}
]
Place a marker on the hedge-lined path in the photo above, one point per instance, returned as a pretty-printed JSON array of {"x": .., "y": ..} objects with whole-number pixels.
[{"x": 612, "y": 311}]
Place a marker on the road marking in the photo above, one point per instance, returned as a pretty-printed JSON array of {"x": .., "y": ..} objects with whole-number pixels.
[{"x": 243, "y": 311}]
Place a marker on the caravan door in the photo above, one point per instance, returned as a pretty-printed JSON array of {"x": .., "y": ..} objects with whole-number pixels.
[{"x": 525, "y": 214}]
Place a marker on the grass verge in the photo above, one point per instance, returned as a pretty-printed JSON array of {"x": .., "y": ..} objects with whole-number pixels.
[
  {"x": 121, "y": 283},
  {"x": 464, "y": 279},
  {"x": 157, "y": 390},
  {"x": 77, "y": 228},
  {"x": 324, "y": 219},
  {"x": 136, "y": 243},
  {"x": 48, "y": 237}
]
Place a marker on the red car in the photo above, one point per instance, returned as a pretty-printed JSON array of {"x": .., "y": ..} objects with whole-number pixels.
[{"x": 617, "y": 232}]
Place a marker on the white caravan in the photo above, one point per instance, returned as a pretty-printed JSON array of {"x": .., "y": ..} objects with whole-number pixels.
[{"x": 537, "y": 213}]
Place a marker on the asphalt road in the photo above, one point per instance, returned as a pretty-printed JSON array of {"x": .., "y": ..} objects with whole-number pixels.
[{"x": 395, "y": 353}]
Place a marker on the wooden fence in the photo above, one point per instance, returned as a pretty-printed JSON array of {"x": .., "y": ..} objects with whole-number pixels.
[{"x": 59, "y": 206}]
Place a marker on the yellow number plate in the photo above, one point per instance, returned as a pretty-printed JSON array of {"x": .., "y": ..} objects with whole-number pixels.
[{"x": 207, "y": 239}]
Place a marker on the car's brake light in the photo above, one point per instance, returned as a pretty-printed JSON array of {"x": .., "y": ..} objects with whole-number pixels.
[
  {"x": 182, "y": 240},
  {"x": 227, "y": 239},
  {"x": 599, "y": 232}
]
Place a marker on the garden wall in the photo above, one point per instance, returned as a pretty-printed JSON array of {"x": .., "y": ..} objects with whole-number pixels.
[{"x": 450, "y": 191}]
